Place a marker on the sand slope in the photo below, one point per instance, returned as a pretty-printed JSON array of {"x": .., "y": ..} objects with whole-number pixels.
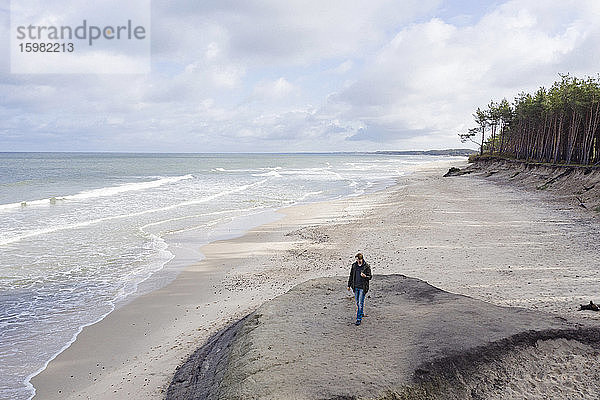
[
  {"x": 417, "y": 340},
  {"x": 577, "y": 186}
]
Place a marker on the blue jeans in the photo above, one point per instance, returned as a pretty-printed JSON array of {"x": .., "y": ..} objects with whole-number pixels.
[{"x": 359, "y": 295}]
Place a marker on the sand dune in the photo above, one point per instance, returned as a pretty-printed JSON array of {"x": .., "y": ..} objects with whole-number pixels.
[{"x": 416, "y": 341}]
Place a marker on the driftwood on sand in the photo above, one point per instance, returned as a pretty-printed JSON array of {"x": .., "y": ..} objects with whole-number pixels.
[{"x": 591, "y": 306}]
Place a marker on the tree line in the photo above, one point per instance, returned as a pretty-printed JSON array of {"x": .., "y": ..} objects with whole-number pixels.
[{"x": 556, "y": 125}]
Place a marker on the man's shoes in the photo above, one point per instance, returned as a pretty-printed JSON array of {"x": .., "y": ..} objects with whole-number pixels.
[{"x": 357, "y": 322}]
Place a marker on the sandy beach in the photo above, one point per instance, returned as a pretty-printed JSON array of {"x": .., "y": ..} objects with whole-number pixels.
[{"x": 465, "y": 235}]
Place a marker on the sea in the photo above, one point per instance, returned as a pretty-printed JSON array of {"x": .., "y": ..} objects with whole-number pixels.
[{"x": 82, "y": 233}]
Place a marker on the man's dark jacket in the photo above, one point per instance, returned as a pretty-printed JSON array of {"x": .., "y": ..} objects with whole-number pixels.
[{"x": 366, "y": 269}]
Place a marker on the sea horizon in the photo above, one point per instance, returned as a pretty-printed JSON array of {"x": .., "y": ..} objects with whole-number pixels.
[{"x": 466, "y": 150}]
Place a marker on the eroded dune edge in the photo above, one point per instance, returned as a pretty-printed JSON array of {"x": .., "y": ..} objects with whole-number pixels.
[{"x": 417, "y": 342}]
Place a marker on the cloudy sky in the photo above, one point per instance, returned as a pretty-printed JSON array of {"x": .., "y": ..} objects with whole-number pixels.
[{"x": 301, "y": 75}]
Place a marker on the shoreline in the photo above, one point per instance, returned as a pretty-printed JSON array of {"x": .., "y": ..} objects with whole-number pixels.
[
  {"x": 62, "y": 372},
  {"x": 233, "y": 229},
  {"x": 239, "y": 274},
  {"x": 167, "y": 274}
]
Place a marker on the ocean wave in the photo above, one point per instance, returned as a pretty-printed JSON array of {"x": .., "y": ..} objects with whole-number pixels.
[
  {"x": 220, "y": 169},
  {"x": 235, "y": 170},
  {"x": 229, "y": 211},
  {"x": 38, "y": 232},
  {"x": 270, "y": 173},
  {"x": 324, "y": 173},
  {"x": 163, "y": 257},
  {"x": 101, "y": 192},
  {"x": 309, "y": 194}
]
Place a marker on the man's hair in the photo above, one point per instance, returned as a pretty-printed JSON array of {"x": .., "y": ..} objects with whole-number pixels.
[{"x": 359, "y": 256}]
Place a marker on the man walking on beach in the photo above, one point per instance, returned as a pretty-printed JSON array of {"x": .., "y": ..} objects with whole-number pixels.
[{"x": 360, "y": 274}]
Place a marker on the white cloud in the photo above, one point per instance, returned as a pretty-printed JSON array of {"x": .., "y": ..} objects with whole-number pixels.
[
  {"x": 273, "y": 90},
  {"x": 297, "y": 75},
  {"x": 343, "y": 67},
  {"x": 432, "y": 75},
  {"x": 285, "y": 32}
]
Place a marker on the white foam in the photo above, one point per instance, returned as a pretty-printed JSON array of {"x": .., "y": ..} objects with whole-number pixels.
[
  {"x": 201, "y": 215},
  {"x": 219, "y": 169},
  {"x": 43, "y": 231},
  {"x": 111, "y": 191},
  {"x": 165, "y": 257},
  {"x": 270, "y": 173},
  {"x": 101, "y": 192},
  {"x": 309, "y": 194}
]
